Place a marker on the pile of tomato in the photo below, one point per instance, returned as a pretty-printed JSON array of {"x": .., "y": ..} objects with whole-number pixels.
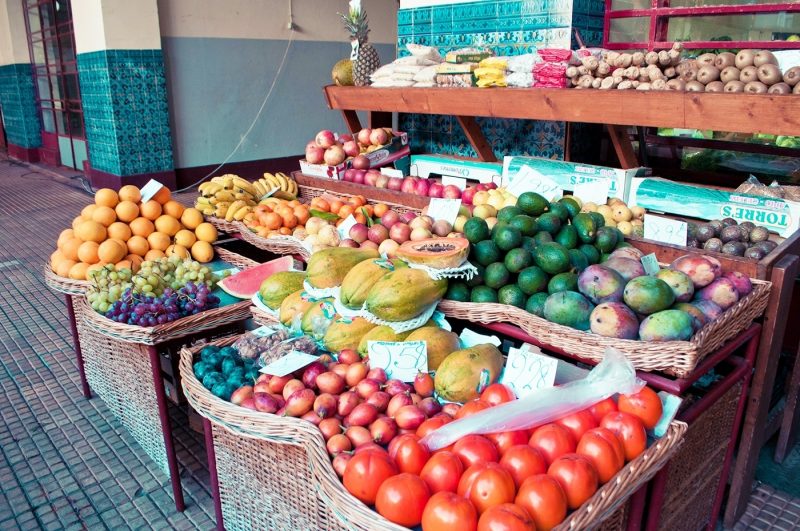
[{"x": 523, "y": 480}]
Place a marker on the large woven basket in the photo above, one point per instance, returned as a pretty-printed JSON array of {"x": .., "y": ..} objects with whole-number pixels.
[
  {"x": 222, "y": 225},
  {"x": 275, "y": 244},
  {"x": 677, "y": 358},
  {"x": 307, "y": 193},
  {"x": 262, "y": 318},
  {"x": 293, "y": 451},
  {"x": 63, "y": 284},
  {"x": 183, "y": 327}
]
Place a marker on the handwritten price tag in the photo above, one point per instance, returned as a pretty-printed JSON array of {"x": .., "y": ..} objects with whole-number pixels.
[
  {"x": 446, "y": 209},
  {"x": 529, "y": 180},
  {"x": 344, "y": 228},
  {"x": 593, "y": 191},
  {"x": 264, "y": 331},
  {"x": 470, "y": 339},
  {"x": 150, "y": 189},
  {"x": 527, "y": 371},
  {"x": 400, "y": 359},
  {"x": 650, "y": 264},
  {"x": 289, "y": 363},
  {"x": 664, "y": 230},
  {"x": 458, "y": 181}
]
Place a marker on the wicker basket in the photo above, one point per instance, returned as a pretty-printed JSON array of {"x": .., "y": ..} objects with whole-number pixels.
[
  {"x": 222, "y": 225},
  {"x": 262, "y": 318},
  {"x": 283, "y": 447},
  {"x": 307, "y": 193},
  {"x": 275, "y": 244},
  {"x": 63, "y": 284},
  {"x": 677, "y": 358}
]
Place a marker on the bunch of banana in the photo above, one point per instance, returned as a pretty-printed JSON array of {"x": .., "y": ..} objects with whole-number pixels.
[
  {"x": 227, "y": 196},
  {"x": 285, "y": 185}
]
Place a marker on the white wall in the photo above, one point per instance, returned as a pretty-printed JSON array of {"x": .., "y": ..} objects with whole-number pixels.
[
  {"x": 115, "y": 25},
  {"x": 13, "y": 38}
]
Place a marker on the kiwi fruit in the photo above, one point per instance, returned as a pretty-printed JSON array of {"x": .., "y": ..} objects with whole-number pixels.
[
  {"x": 780, "y": 88},
  {"x": 715, "y": 86},
  {"x": 717, "y": 226},
  {"x": 707, "y": 74},
  {"x": 707, "y": 59},
  {"x": 755, "y": 253},
  {"x": 759, "y": 234},
  {"x": 755, "y": 87},
  {"x": 676, "y": 84},
  {"x": 695, "y": 86},
  {"x": 728, "y": 222},
  {"x": 734, "y": 86},
  {"x": 724, "y": 60},
  {"x": 769, "y": 74},
  {"x": 792, "y": 76},
  {"x": 744, "y": 58},
  {"x": 748, "y": 74},
  {"x": 734, "y": 248},
  {"x": 729, "y": 73},
  {"x": 713, "y": 244},
  {"x": 705, "y": 232},
  {"x": 764, "y": 57}
]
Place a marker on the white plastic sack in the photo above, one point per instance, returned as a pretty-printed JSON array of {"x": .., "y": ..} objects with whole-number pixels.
[
  {"x": 425, "y": 52},
  {"x": 426, "y": 75}
]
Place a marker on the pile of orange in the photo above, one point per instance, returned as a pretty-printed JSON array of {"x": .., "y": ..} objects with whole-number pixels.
[
  {"x": 118, "y": 228},
  {"x": 355, "y": 205},
  {"x": 279, "y": 216}
]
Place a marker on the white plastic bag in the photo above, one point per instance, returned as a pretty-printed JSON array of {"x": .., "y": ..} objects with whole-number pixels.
[{"x": 615, "y": 374}]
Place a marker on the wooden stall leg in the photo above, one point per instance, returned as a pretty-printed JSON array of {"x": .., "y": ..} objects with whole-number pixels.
[
  {"x": 212, "y": 473},
  {"x": 791, "y": 417},
  {"x": 476, "y": 138},
  {"x": 774, "y": 324},
  {"x": 351, "y": 121},
  {"x": 166, "y": 428},
  {"x": 623, "y": 146},
  {"x": 87, "y": 391},
  {"x": 379, "y": 119}
]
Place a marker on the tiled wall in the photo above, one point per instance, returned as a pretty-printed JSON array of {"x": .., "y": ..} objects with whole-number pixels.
[
  {"x": 509, "y": 27},
  {"x": 124, "y": 98},
  {"x": 18, "y": 101}
]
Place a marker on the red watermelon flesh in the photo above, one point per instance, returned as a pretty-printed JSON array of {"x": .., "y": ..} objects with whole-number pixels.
[{"x": 245, "y": 284}]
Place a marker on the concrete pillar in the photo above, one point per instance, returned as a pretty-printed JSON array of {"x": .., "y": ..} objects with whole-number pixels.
[
  {"x": 123, "y": 92},
  {"x": 17, "y": 92}
]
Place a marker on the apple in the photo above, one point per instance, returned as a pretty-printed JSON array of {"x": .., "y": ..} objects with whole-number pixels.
[
  {"x": 465, "y": 210},
  {"x": 420, "y": 233},
  {"x": 492, "y": 185},
  {"x": 395, "y": 183},
  {"x": 358, "y": 176},
  {"x": 358, "y": 233},
  {"x": 348, "y": 243},
  {"x": 421, "y": 222},
  {"x": 334, "y": 155},
  {"x": 351, "y": 148},
  {"x": 421, "y": 187},
  {"x": 315, "y": 155},
  {"x": 378, "y": 137},
  {"x": 452, "y": 191},
  {"x": 363, "y": 136},
  {"x": 408, "y": 185},
  {"x": 343, "y": 139},
  {"x": 382, "y": 181},
  {"x": 325, "y": 138},
  {"x": 406, "y": 217},
  {"x": 349, "y": 173},
  {"x": 378, "y": 233},
  {"x": 436, "y": 189},
  {"x": 369, "y": 245},
  {"x": 461, "y": 220},
  {"x": 388, "y": 247},
  {"x": 481, "y": 187},
  {"x": 371, "y": 177},
  {"x": 360, "y": 162},
  {"x": 400, "y": 232},
  {"x": 468, "y": 194},
  {"x": 390, "y": 218}
]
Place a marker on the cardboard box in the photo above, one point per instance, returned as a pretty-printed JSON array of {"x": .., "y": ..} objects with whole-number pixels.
[
  {"x": 483, "y": 172},
  {"x": 384, "y": 155},
  {"x": 670, "y": 197},
  {"x": 568, "y": 174}
]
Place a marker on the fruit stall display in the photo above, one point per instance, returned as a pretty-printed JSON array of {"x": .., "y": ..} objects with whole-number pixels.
[{"x": 330, "y": 154}]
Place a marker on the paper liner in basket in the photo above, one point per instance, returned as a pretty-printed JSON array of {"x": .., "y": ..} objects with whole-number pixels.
[
  {"x": 401, "y": 326},
  {"x": 465, "y": 271},
  {"x": 321, "y": 293},
  {"x": 258, "y": 303}
]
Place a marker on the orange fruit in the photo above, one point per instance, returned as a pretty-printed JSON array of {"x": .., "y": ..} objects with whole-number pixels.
[
  {"x": 127, "y": 211},
  {"x": 177, "y": 250},
  {"x": 173, "y": 208},
  {"x": 202, "y": 251},
  {"x": 87, "y": 253},
  {"x": 111, "y": 251},
  {"x": 191, "y": 218},
  {"x": 104, "y": 215},
  {"x": 380, "y": 209},
  {"x": 154, "y": 254},
  {"x": 168, "y": 225},
  {"x": 289, "y": 221},
  {"x": 66, "y": 234},
  {"x": 78, "y": 271},
  {"x": 163, "y": 195},
  {"x": 130, "y": 193},
  {"x": 138, "y": 245},
  {"x": 360, "y": 199},
  {"x": 302, "y": 214},
  {"x": 258, "y": 209},
  {"x": 151, "y": 210},
  {"x": 185, "y": 237},
  {"x": 119, "y": 231},
  {"x": 106, "y": 197},
  {"x": 336, "y": 205},
  {"x": 345, "y": 211},
  {"x": 64, "y": 266},
  {"x": 206, "y": 232},
  {"x": 286, "y": 231},
  {"x": 321, "y": 204},
  {"x": 91, "y": 231},
  {"x": 76, "y": 223},
  {"x": 88, "y": 210},
  {"x": 273, "y": 221},
  {"x": 135, "y": 260},
  {"x": 360, "y": 218},
  {"x": 142, "y": 227},
  {"x": 55, "y": 257},
  {"x": 158, "y": 241}
]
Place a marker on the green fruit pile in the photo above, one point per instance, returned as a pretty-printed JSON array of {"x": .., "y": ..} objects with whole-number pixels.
[{"x": 222, "y": 370}]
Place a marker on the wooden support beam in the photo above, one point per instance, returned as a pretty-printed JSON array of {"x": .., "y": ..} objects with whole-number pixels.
[
  {"x": 791, "y": 414},
  {"x": 351, "y": 120},
  {"x": 476, "y": 138},
  {"x": 623, "y": 146}
]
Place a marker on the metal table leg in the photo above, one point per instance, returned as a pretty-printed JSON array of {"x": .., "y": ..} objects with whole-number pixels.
[
  {"x": 212, "y": 472},
  {"x": 87, "y": 391}
]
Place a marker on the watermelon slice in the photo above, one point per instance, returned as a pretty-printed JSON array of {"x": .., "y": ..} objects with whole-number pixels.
[{"x": 245, "y": 284}]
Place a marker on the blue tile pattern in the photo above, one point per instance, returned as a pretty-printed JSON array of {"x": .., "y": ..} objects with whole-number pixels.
[
  {"x": 124, "y": 97},
  {"x": 18, "y": 102},
  {"x": 508, "y": 27}
]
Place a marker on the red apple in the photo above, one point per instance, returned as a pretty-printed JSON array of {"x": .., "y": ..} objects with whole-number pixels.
[
  {"x": 315, "y": 155},
  {"x": 390, "y": 218},
  {"x": 358, "y": 176},
  {"x": 351, "y": 148},
  {"x": 325, "y": 138},
  {"x": 400, "y": 232},
  {"x": 378, "y": 233},
  {"x": 408, "y": 185},
  {"x": 358, "y": 232},
  {"x": 363, "y": 136},
  {"x": 421, "y": 187},
  {"x": 436, "y": 189},
  {"x": 349, "y": 173},
  {"x": 360, "y": 162},
  {"x": 343, "y": 139},
  {"x": 371, "y": 177},
  {"x": 492, "y": 185},
  {"x": 334, "y": 155},
  {"x": 452, "y": 191},
  {"x": 468, "y": 194},
  {"x": 406, "y": 217},
  {"x": 382, "y": 181},
  {"x": 378, "y": 137},
  {"x": 369, "y": 245},
  {"x": 481, "y": 187},
  {"x": 395, "y": 183},
  {"x": 348, "y": 243}
]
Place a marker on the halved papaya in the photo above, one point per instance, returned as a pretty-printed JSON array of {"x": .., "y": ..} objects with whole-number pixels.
[{"x": 438, "y": 253}]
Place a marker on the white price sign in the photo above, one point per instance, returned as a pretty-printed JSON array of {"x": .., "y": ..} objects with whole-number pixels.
[
  {"x": 665, "y": 230},
  {"x": 595, "y": 191},
  {"x": 391, "y": 172},
  {"x": 527, "y": 371},
  {"x": 458, "y": 181},
  {"x": 529, "y": 180},
  {"x": 446, "y": 209},
  {"x": 289, "y": 363},
  {"x": 400, "y": 359},
  {"x": 150, "y": 189},
  {"x": 650, "y": 264}
]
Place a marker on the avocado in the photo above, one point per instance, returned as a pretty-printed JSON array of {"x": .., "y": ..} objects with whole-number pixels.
[
  {"x": 532, "y": 203},
  {"x": 511, "y": 295},
  {"x": 525, "y": 224},
  {"x": 483, "y": 294},
  {"x": 553, "y": 258},
  {"x": 567, "y": 281},
  {"x": 577, "y": 260},
  {"x": 591, "y": 253},
  {"x": 542, "y": 237},
  {"x": 585, "y": 227},
  {"x": 535, "y": 303},
  {"x": 476, "y": 230},
  {"x": 496, "y": 275},
  {"x": 599, "y": 220},
  {"x": 485, "y": 252},
  {"x": 532, "y": 280},
  {"x": 568, "y": 308},
  {"x": 549, "y": 222},
  {"x": 606, "y": 239},
  {"x": 517, "y": 259},
  {"x": 570, "y": 204},
  {"x": 559, "y": 210},
  {"x": 507, "y": 238},
  {"x": 457, "y": 291},
  {"x": 506, "y": 214},
  {"x": 567, "y": 236}
]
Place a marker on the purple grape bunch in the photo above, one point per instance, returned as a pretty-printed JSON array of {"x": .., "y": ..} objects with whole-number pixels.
[{"x": 172, "y": 304}]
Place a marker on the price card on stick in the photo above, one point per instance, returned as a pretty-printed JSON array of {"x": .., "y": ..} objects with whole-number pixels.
[
  {"x": 593, "y": 191},
  {"x": 150, "y": 189},
  {"x": 665, "y": 230},
  {"x": 446, "y": 209},
  {"x": 344, "y": 228},
  {"x": 528, "y": 370},
  {"x": 400, "y": 359},
  {"x": 289, "y": 363},
  {"x": 650, "y": 264},
  {"x": 529, "y": 180},
  {"x": 458, "y": 181}
]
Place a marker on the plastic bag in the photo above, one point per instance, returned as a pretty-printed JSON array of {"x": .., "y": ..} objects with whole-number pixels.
[
  {"x": 523, "y": 63},
  {"x": 615, "y": 374}
]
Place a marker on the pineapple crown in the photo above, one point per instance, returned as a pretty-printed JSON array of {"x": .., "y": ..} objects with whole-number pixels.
[{"x": 355, "y": 21}]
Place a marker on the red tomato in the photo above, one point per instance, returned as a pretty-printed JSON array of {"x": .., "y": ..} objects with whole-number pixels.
[
  {"x": 475, "y": 449},
  {"x": 544, "y": 499},
  {"x": 578, "y": 423},
  {"x": 446, "y": 511},
  {"x": 629, "y": 429},
  {"x": 604, "y": 450},
  {"x": 507, "y": 439},
  {"x": 498, "y": 393},
  {"x": 645, "y": 404},
  {"x": 409, "y": 454},
  {"x": 472, "y": 407},
  {"x": 365, "y": 472},
  {"x": 487, "y": 485},
  {"x": 402, "y": 499},
  {"x": 553, "y": 440},
  {"x": 577, "y": 476},
  {"x": 523, "y": 461},
  {"x": 506, "y": 517},
  {"x": 428, "y": 425},
  {"x": 600, "y": 409},
  {"x": 442, "y": 472}
]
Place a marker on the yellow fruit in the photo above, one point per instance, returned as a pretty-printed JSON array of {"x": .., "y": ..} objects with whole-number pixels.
[
  {"x": 104, "y": 215},
  {"x": 78, "y": 271},
  {"x": 123, "y": 264},
  {"x": 131, "y": 193},
  {"x": 620, "y": 212},
  {"x": 206, "y": 232},
  {"x": 106, "y": 197},
  {"x": 151, "y": 210},
  {"x": 88, "y": 210},
  {"x": 111, "y": 251},
  {"x": 174, "y": 209},
  {"x": 177, "y": 250},
  {"x": 637, "y": 212},
  {"x": 66, "y": 234},
  {"x": 55, "y": 257},
  {"x": 154, "y": 254},
  {"x": 480, "y": 198},
  {"x": 158, "y": 241},
  {"x": 119, "y": 231},
  {"x": 70, "y": 249},
  {"x": 625, "y": 227},
  {"x": 64, "y": 267},
  {"x": 191, "y": 218},
  {"x": 142, "y": 227},
  {"x": 87, "y": 253},
  {"x": 91, "y": 231},
  {"x": 168, "y": 225},
  {"x": 135, "y": 260},
  {"x": 76, "y": 223},
  {"x": 163, "y": 195},
  {"x": 127, "y": 211},
  {"x": 138, "y": 245},
  {"x": 202, "y": 251},
  {"x": 185, "y": 237},
  {"x": 589, "y": 206}
]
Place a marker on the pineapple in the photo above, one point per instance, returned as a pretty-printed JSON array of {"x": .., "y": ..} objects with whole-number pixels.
[{"x": 365, "y": 57}]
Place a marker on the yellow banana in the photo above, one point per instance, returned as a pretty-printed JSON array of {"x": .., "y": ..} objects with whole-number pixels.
[
  {"x": 207, "y": 211},
  {"x": 225, "y": 195},
  {"x": 259, "y": 187},
  {"x": 241, "y": 213},
  {"x": 202, "y": 200},
  {"x": 247, "y": 186},
  {"x": 235, "y": 206}
]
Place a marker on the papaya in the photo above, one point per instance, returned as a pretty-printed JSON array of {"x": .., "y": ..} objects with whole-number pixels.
[
  {"x": 465, "y": 373},
  {"x": 404, "y": 294},
  {"x": 439, "y": 253},
  {"x": 346, "y": 333},
  {"x": 328, "y": 267},
  {"x": 294, "y": 304},
  {"x": 358, "y": 281},
  {"x": 440, "y": 343},
  {"x": 318, "y": 318},
  {"x": 379, "y": 333},
  {"x": 279, "y": 286}
]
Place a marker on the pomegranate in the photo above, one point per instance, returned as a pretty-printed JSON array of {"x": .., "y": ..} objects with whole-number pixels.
[
  {"x": 351, "y": 148},
  {"x": 315, "y": 155},
  {"x": 358, "y": 232},
  {"x": 325, "y": 139}
]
